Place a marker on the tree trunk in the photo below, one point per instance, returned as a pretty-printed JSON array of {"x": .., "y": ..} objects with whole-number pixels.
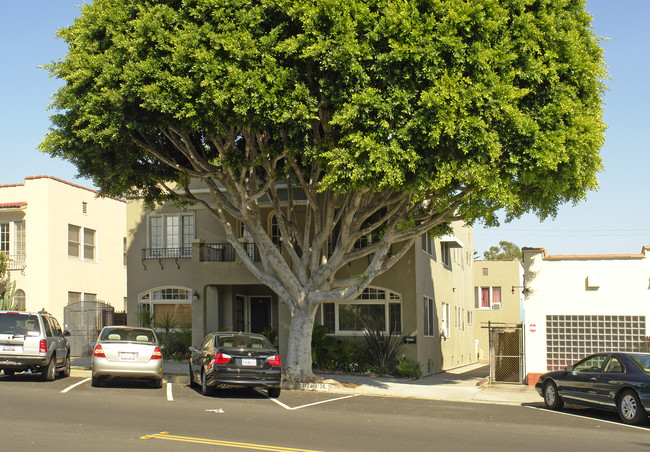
[{"x": 298, "y": 365}]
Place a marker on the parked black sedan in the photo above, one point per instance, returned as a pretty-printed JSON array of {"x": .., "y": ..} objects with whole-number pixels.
[
  {"x": 613, "y": 381},
  {"x": 229, "y": 359}
]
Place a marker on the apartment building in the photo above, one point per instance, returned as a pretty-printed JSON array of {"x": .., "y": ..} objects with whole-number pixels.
[
  {"x": 181, "y": 265},
  {"x": 65, "y": 244}
]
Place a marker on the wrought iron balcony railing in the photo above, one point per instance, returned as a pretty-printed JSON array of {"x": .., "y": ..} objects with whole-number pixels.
[
  {"x": 224, "y": 252},
  {"x": 166, "y": 253},
  {"x": 16, "y": 262}
]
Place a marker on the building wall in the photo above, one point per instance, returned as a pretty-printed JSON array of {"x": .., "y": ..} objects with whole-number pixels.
[
  {"x": 451, "y": 285},
  {"x": 615, "y": 287},
  {"x": 508, "y": 275},
  {"x": 53, "y": 204},
  {"x": 216, "y": 284}
]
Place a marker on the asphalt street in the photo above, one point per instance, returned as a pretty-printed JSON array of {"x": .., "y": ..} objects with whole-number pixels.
[{"x": 70, "y": 414}]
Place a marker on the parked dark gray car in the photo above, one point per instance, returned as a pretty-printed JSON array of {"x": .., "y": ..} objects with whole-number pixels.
[
  {"x": 33, "y": 341},
  {"x": 618, "y": 381},
  {"x": 231, "y": 359}
]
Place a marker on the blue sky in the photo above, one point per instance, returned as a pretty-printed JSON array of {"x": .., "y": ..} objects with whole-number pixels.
[{"x": 613, "y": 220}]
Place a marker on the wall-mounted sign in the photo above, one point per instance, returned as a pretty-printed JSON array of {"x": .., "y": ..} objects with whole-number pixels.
[
  {"x": 532, "y": 327},
  {"x": 409, "y": 339}
]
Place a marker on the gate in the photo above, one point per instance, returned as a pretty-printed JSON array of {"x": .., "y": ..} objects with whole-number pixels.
[
  {"x": 506, "y": 352},
  {"x": 85, "y": 319}
]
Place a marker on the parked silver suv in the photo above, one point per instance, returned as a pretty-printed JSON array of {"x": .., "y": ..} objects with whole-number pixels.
[{"x": 33, "y": 341}]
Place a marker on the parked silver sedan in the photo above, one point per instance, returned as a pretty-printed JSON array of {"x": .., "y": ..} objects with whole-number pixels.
[{"x": 127, "y": 352}]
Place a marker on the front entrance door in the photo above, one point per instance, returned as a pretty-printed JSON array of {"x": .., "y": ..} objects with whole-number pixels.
[
  {"x": 252, "y": 314},
  {"x": 260, "y": 309}
]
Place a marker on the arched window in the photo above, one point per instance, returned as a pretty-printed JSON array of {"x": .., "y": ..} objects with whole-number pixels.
[
  {"x": 375, "y": 307},
  {"x": 19, "y": 297},
  {"x": 166, "y": 307}
]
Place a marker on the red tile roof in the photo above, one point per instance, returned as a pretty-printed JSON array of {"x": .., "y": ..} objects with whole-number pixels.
[{"x": 12, "y": 205}]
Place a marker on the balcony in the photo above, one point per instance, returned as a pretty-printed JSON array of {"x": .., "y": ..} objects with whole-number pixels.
[
  {"x": 224, "y": 252},
  {"x": 16, "y": 262},
  {"x": 166, "y": 253}
]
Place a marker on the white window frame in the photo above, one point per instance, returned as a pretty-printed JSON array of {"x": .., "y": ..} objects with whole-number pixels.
[
  {"x": 445, "y": 329},
  {"x": 445, "y": 254},
  {"x": 87, "y": 251},
  {"x": 429, "y": 316},
  {"x": 493, "y": 305},
  {"x": 148, "y": 299},
  {"x": 170, "y": 231},
  {"x": 427, "y": 244},
  {"x": 389, "y": 298}
]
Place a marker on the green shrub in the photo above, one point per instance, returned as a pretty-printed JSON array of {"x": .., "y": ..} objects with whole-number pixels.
[
  {"x": 383, "y": 348},
  {"x": 409, "y": 368}
]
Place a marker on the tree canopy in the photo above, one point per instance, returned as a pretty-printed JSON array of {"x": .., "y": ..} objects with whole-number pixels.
[
  {"x": 505, "y": 250},
  {"x": 391, "y": 117}
]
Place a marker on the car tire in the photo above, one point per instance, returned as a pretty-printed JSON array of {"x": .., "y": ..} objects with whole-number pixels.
[
  {"x": 9, "y": 372},
  {"x": 157, "y": 383},
  {"x": 48, "y": 373},
  {"x": 630, "y": 409},
  {"x": 192, "y": 382},
  {"x": 65, "y": 372},
  {"x": 205, "y": 389},
  {"x": 274, "y": 393},
  {"x": 96, "y": 382},
  {"x": 552, "y": 399}
]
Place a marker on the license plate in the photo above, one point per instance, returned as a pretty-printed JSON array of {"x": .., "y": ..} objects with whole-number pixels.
[
  {"x": 128, "y": 356},
  {"x": 248, "y": 362},
  {"x": 9, "y": 348}
]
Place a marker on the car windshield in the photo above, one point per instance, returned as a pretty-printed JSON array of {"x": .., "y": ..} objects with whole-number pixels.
[
  {"x": 127, "y": 335},
  {"x": 239, "y": 341},
  {"x": 643, "y": 361},
  {"x": 19, "y": 324}
]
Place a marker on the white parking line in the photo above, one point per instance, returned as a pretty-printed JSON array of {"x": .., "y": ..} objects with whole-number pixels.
[
  {"x": 621, "y": 424},
  {"x": 74, "y": 385},
  {"x": 170, "y": 397},
  {"x": 309, "y": 404}
]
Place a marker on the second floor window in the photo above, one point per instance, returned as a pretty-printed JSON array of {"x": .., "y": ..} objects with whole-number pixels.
[
  {"x": 172, "y": 231},
  {"x": 76, "y": 248},
  {"x": 488, "y": 298}
]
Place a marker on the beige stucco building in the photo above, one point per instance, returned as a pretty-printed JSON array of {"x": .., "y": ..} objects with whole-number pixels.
[
  {"x": 180, "y": 263},
  {"x": 65, "y": 244},
  {"x": 578, "y": 305},
  {"x": 498, "y": 298}
]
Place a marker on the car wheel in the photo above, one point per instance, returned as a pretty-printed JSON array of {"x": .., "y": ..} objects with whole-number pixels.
[
  {"x": 192, "y": 382},
  {"x": 630, "y": 409},
  {"x": 8, "y": 372},
  {"x": 205, "y": 389},
  {"x": 96, "y": 381},
  {"x": 157, "y": 383},
  {"x": 274, "y": 393},
  {"x": 65, "y": 372},
  {"x": 552, "y": 399},
  {"x": 49, "y": 372}
]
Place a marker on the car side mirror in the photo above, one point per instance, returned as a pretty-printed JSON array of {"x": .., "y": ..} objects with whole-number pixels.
[
  {"x": 193, "y": 348},
  {"x": 66, "y": 332},
  {"x": 568, "y": 369},
  {"x": 92, "y": 344}
]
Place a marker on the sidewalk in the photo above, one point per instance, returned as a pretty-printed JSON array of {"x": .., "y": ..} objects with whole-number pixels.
[{"x": 464, "y": 384}]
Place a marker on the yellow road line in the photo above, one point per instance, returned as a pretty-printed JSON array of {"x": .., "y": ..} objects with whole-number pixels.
[{"x": 215, "y": 442}]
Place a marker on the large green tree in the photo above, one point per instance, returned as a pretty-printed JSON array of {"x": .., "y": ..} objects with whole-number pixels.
[{"x": 390, "y": 118}]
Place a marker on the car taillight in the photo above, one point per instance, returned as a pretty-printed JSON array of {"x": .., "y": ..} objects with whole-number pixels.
[
  {"x": 99, "y": 351},
  {"x": 42, "y": 346},
  {"x": 221, "y": 358},
  {"x": 157, "y": 354},
  {"x": 274, "y": 360}
]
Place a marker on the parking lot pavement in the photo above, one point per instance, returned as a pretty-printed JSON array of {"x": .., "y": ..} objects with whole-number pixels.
[{"x": 464, "y": 384}]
